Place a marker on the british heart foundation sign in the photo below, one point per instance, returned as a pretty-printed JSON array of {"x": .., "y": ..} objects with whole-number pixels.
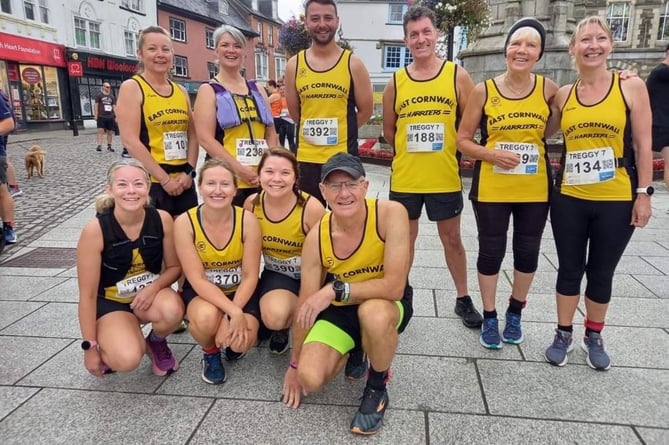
[{"x": 75, "y": 69}]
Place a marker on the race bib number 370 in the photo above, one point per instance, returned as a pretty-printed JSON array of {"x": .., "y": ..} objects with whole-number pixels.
[
  {"x": 589, "y": 166},
  {"x": 224, "y": 278}
]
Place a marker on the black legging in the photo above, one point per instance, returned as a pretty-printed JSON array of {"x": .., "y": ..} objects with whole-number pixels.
[
  {"x": 285, "y": 130},
  {"x": 492, "y": 220},
  {"x": 599, "y": 230}
]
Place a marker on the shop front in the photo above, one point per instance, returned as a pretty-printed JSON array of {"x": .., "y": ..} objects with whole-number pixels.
[
  {"x": 94, "y": 70},
  {"x": 33, "y": 74}
]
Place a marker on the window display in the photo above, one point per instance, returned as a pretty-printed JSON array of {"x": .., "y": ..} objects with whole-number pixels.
[{"x": 41, "y": 95}]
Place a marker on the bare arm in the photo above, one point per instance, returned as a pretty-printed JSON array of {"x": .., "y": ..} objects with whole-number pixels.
[
  {"x": 364, "y": 97},
  {"x": 313, "y": 211},
  {"x": 6, "y": 125},
  {"x": 463, "y": 86},
  {"x": 470, "y": 122},
  {"x": 250, "y": 260},
  {"x": 270, "y": 132},
  {"x": 553, "y": 125},
  {"x": 389, "y": 115},
  {"x": 292, "y": 97},
  {"x": 193, "y": 143}
]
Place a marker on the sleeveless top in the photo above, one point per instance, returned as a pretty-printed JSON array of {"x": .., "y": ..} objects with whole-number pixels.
[
  {"x": 425, "y": 152},
  {"x": 328, "y": 120},
  {"x": 282, "y": 240},
  {"x": 516, "y": 125},
  {"x": 366, "y": 261},
  {"x": 164, "y": 126},
  {"x": 223, "y": 267},
  {"x": 598, "y": 157}
]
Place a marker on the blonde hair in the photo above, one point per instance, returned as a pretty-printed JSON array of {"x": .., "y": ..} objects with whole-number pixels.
[
  {"x": 217, "y": 162},
  {"x": 591, "y": 20},
  {"x": 141, "y": 39},
  {"x": 105, "y": 201}
]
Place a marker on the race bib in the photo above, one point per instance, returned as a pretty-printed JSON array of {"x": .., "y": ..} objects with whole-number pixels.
[
  {"x": 321, "y": 131},
  {"x": 127, "y": 288},
  {"x": 249, "y": 152},
  {"x": 175, "y": 144},
  {"x": 224, "y": 278},
  {"x": 422, "y": 138},
  {"x": 107, "y": 108},
  {"x": 529, "y": 158},
  {"x": 589, "y": 166},
  {"x": 288, "y": 266}
]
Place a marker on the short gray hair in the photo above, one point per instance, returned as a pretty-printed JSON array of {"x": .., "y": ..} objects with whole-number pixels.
[{"x": 234, "y": 32}]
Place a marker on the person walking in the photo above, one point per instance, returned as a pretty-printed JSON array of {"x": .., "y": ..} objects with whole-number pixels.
[
  {"x": 232, "y": 115},
  {"x": 6, "y": 201},
  {"x": 105, "y": 115},
  {"x": 126, "y": 264},
  {"x": 658, "y": 91},
  {"x": 329, "y": 95},
  {"x": 512, "y": 174},
  {"x": 421, "y": 105},
  {"x": 602, "y": 190}
]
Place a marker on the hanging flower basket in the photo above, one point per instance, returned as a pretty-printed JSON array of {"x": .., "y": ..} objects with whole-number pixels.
[{"x": 293, "y": 36}]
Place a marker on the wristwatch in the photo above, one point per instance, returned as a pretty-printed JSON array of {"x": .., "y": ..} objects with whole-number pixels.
[
  {"x": 341, "y": 291},
  {"x": 88, "y": 344},
  {"x": 646, "y": 190},
  {"x": 190, "y": 171}
]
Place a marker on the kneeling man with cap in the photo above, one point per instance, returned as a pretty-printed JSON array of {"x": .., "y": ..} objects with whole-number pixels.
[{"x": 364, "y": 244}]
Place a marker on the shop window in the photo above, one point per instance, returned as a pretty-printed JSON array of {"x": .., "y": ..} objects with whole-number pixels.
[
  {"x": 180, "y": 66},
  {"x": 41, "y": 93},
  {"x": 86, "y": 33}
]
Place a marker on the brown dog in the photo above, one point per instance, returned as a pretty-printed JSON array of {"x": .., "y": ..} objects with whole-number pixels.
[{"x": 35, "y": 160}]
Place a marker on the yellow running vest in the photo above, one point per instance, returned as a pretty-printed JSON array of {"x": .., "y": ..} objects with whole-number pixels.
[
  {"x": 223, "y": 267},
  {"x": 137, "y": 278},
  {"x": 516, "y": 125},
  {"x": 425, "y": 148},
  {"x": 595, "y": 136},
  {"x": 328, "y": 121}
]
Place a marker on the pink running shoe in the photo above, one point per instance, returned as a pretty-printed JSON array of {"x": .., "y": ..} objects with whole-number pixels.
[{"x": 163, "y": 362}]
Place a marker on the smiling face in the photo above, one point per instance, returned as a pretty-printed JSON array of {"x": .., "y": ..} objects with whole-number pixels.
[
  {"x": 523, "y": 49},
  {"x": 344, "y": 194},
  {"x": 156, "y": 52},
  {"x": 230, "y": 52},
  {"x": 129, "y": 186},
  {"x": 421, "y": 38},
  {"x": 322, "y": 23},
  {"x": 591, "y": 44},
  {"x": 217, "y": 186},
  {"x": 277, "y": 176}
]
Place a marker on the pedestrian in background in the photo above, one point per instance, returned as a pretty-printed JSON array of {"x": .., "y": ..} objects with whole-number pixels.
[
  {"x": 232, "y": 115},
  {"x": 126, "y": 264},
  {"x": 105, "y": 115},
  {"x": 512, "y": 174},
  {"x": 602, "y": 190},
  {"x": 425, "y": 170},
  {"x": 155, "y": 121},
  {"x": 6, "y": 200},
  {"x": 658, "y": 90},
  {"x": 329, "y": 95}
]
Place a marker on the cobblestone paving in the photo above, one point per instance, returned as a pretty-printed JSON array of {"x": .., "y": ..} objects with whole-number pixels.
[{"x": 74, "y": 175}]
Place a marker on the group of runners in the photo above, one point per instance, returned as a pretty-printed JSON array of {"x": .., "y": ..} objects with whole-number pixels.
[{"x": 338, "y": 280}]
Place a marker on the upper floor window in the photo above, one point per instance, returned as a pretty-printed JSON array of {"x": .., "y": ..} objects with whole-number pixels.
[
  {"x": 261, "y": 66},
  {"x": 396, "y": 12},
  {"x": 270, "y": 36},
  {"x": 395, "y": 57},
  {"x": 209, "y": 38},
  {"x": 212, "y": 68},
  {"x": 130, "y": 39},
  {"x": 279, "y": 67},
  {"x": 180, "y": 66},
  {"x": 223, "y": 7},
  {"x": 177, "y": 30},
  {"x": 37, "y": 10},
  {"x": 663, "y": 29},
  {"x": 260, "y": 29},
  {"x": 6, "y": 6},
  {"x": 133, "y": 5},
  {"x": 86, "y": 33},
  {"x": 618, "y": 18}
]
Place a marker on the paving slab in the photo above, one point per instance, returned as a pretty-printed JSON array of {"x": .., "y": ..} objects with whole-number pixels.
[
  {"x": 103, "y": 417},
  {"x": 460, "y": 429},
  {"x": 65, "y": 292},
  {"x": 11, "y": 311},
  {"x": 11, "y": 397},
  {"x": 58, "y": 320},
  {"x": 22, "y": 288},
  {"x": 652, "y": 436},
  {"x": 658, "y": 285},
  {"x": 17, "y": 363}
]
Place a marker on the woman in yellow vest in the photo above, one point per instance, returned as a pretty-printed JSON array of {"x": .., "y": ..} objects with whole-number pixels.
[
  {"x": 232, "y": 115},
  {"x": 602, "y": 190},
  {"x": 126, "y": 263},
  {"x": 286, "y": 215},
  {"x": 155, "y": 122},
  {"x": 219, "y": 247},
  {"x": 512, "y": 174}
]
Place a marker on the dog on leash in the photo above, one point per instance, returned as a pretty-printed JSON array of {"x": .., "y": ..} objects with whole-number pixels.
[{"x": 35, "y": 160}]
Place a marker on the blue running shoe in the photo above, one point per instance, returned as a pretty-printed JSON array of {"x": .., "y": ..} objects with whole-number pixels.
[
  {"x": 369, "y": 417},
  {"x": 10, "y": 236},
  {"x": 356, "y": 365},
  {"x": 231, "y": 355},
  {"x": 557, "y": 353},
  {"x": 212, "y": 368},
  {"x": 597, "y": 357},
  {"x": 513, "y": 331},
  {"x": 490, "y": 334}
]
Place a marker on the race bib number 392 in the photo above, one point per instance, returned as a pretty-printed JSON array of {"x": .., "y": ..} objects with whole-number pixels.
[{"x": 321, "y": 131}]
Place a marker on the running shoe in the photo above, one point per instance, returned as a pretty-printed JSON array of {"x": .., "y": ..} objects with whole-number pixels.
[
  {"x": 557, "y": 353},
  {"x": 110, "y": 149},
  {"x": 490, "y": 334},
  {"x": 596, "y": 355},
  {"x": 15, "y": 191},
  {"x": 213, "y": 371},
  {"x": 125, "y": 153},
  {"x": 464, "y": 308},
  {"x": 356, "y": 365},
  {"x": 513, "y": 331},
  {"x": 10, "y": 236},
  {"x": 278, "y": 341},
  {"x": 231, "y": 355},
  {"x": 183, "y": 327},
  {"x": 163, "y": 362},
  {"x": 369, "y": 417},
  {"x": 98, "y": 148}
]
